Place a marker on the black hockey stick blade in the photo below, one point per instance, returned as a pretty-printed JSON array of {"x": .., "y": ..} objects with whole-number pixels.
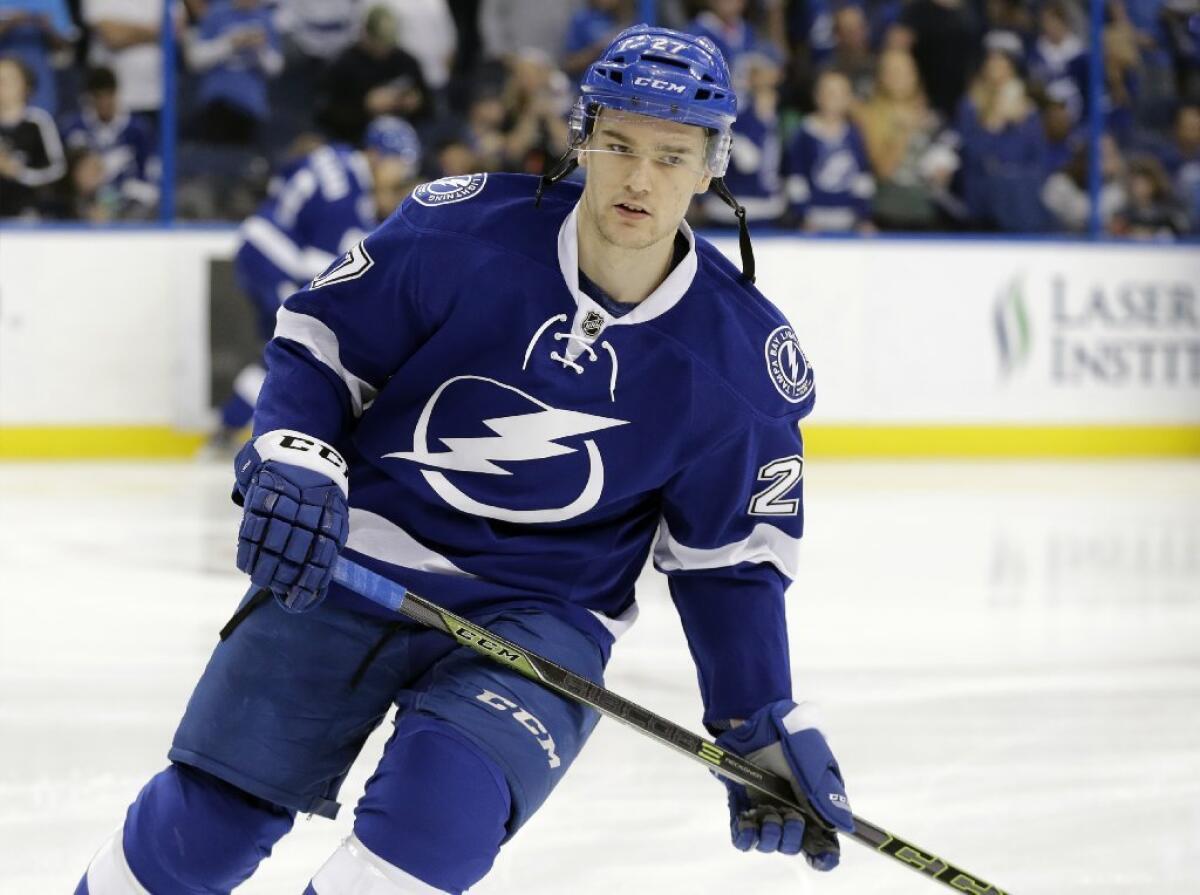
[{"x": 566, "y": 683}]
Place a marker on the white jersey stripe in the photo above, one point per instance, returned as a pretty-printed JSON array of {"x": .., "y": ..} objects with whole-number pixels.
[
  {"x": 765, "y": 544},
  {"x": 109, "y": 872},
  {"x": 279, "y": 249},
  {"x": 373, "y": 535},
  {"x": 322, "y": 343},
  {"x": 354, "y": 868}
]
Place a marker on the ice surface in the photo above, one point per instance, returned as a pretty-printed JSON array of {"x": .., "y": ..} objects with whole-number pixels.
[{"x": 1007, "y": 657}]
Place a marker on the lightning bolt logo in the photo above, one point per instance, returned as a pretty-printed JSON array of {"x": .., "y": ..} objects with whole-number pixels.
[
  {"x": 519, "y": 438},
  {"x": 526, "y": 436}
]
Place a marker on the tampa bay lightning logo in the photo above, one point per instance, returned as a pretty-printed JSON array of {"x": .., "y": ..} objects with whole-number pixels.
[
  {"x": 450, "y": 189},
  {"x": 519, "y": 464},
  {"x": 787, "y": 365}
]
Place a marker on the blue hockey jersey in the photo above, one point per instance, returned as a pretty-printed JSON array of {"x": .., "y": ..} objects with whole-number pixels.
[
  {"x": 828, "y": 176},
  {"x": 319, "y": 206},
  {"x": 510, "y": 441}
]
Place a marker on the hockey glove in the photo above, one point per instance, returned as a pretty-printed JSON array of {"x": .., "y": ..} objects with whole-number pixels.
[
  {"x": 293, "y": 491},
  {"x": 782, "y": 738}
]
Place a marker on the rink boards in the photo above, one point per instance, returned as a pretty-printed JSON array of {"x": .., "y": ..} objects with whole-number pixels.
[{"x": 920, "y": 347}]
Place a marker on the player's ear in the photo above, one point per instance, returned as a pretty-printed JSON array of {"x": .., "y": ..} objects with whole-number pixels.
[{"x": 702, "y": 186}]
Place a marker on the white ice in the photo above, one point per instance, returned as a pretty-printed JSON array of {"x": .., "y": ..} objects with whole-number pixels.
[{"x": 1007, "y": 658}]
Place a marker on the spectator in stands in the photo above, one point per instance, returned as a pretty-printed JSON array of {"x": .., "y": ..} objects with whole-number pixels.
[
  {"x": 507, "y": 27},
  {"x": 1003, "y": 145},
  {"x": 1150, "y": 210},
  {"x": 827, "y": 174},
  {"x": 1122, "y": 71},
  {"x": 32, "y": 30},
  {"x": 31, "y": 153},
  {"x": 852, "y": 54},
  {"x": 1181, "y": 21},
  {"x": 314, "y": 32},
  {"x": 455, "y": 158},
  {"x": 372, "y": 78},
  {"x": 1063, "y": 135},
  {"x": 426, "y": 32},
  {"x": 537, "y": 98},
  {"x": 123, "y": 144},
  {"x": 1065, "y": 194},
  {"x": 911, "y": 156},
  {"x": 1058, "y": 60},
  {"x": 946, "y": 44},
  {"x": 1182, "y": 158},
  {"x": 125, "y": 38},
  {"x": 756, "y": 155},
  {"x": 484, "y": 134},
  {"x": 724, "y": 23},
  {"x": 236, "y": 49},
  {"x": 1011, "y": 15},
  {"x": 85, "y": 195},
  {"x": 591, "y": 30}
]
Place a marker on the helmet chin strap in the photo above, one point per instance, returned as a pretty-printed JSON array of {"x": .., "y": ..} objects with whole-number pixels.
[
  {"x": 569, "y": 161},
  {"x": 718, "y": 186}
]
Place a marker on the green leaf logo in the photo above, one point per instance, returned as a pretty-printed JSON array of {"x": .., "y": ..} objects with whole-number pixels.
[{"x": 1010, "y": 316}]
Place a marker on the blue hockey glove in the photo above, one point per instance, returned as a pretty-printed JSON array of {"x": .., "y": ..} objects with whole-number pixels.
[
  {"x": 293, "y": 491},
  {"x": 782, "y": 738}
]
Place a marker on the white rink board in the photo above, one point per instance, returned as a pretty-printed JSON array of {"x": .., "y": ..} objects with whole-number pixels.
[{"x": 109, "y": 327}]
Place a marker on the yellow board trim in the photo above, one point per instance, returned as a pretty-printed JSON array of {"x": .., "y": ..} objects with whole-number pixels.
[
  {"x": 835, "y": 442},
  {"x": 96, "y": 442}
]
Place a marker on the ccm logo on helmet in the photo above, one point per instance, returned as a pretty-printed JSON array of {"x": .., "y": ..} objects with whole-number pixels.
[{"x": 657, "y": 84}]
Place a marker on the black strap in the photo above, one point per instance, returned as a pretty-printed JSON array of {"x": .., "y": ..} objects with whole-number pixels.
[
  {"x": 719, "y": 187},
  {"x": 566, "y": 163},
  {"x": 244, "y": 610}
]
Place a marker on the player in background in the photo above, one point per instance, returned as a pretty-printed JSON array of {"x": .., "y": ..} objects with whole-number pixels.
[
  {"x": 507, "y": 402},
  {"x": 319, "y": 206}
]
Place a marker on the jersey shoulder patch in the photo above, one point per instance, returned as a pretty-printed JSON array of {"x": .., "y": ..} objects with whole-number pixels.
[{"x": 449, "y": 190}]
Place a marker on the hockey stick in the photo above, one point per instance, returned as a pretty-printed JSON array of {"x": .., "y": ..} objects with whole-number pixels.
[{"x": 566, "y": 683}]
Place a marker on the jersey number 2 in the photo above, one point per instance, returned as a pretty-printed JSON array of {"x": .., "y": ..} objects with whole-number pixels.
[{"x": 783, "y": 474}]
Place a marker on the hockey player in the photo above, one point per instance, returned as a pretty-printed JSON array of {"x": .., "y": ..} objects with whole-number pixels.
[
  {"x": 505, "y": 404},
  {"x": 320, "y": 205}
]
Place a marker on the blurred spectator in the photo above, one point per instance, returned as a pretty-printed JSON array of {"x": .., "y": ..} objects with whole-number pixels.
[
  {"x": 456, "y": 159},
  {"x": 756, "y": 155},
  {"x": 426, "y": 32},
  {"x": 125, "y": 38},
  {"x": 1011, "y": 15},
  {"x": 591, "y": 30},
  {"x": 1181, "y": 22},
  {"x": 484, "y": 135},
  {"x": 946, "y": 44},
  {"x": 1065, "y": 194},
  {"x": 31, "y": 154},
  {"x": 1003, "y": 145},
  {"x": 124, "y": 145},
  {"x": 537, "y": 99},
  {"x": 508, "y": 26},
  {"x": 1181, "y": 157},
  {"x": 1122, "y": 71},
  {"x": 372, "y": 78},
  {"x": 85, "y": 194},
  {"x": 321, "y": 205},
  {"x": 725, "y": 24},
  {"x": 31, "y": 30},
  {"x": 1063, "y": 135},
  {"x": 314, "y": 32},
  {"x": 852, "y": 54},
  {"x": 321, "y": 29},
  {"x": 1058, "y": 61},
  {"x": 1150, "y": 210},
  {"x": 828, "y": 176},
  {"x": 237, "y": 49},
  {"x": 913, "y": 160}
]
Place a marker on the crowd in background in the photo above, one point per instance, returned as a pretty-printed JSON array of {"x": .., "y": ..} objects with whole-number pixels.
[{"x": 855, "y": 115}]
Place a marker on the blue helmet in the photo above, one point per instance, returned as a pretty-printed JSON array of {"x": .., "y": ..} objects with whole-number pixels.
[
  {"x": 390, "y": 135},
  {"x": 663, "y": 74}
]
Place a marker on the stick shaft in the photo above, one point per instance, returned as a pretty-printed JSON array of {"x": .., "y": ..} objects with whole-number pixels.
[{"x": 566, "y": 683}]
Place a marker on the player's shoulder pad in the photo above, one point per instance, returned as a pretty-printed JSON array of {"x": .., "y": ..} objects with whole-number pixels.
[
  {"x": 491, "y": 207},
  {"x": 760, "y": 357}
]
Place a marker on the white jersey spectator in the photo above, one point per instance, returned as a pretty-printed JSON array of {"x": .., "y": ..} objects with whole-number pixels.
[
  {"x": 508, "y": 26},
  {"x": 321, "y": 29},
  {"x": 125, "y": 38},
  {"x": 426, "y": 32}
]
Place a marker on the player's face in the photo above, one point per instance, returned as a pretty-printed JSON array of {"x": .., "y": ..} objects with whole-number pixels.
[
  {"x": 641, "y": 175},
  {"x": 392, "y": 183}
]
